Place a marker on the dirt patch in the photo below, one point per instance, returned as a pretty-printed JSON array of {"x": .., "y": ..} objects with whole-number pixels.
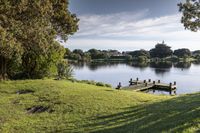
[
  {"x": 38, "y": 109},
  {"x": 25, "y": 91}
]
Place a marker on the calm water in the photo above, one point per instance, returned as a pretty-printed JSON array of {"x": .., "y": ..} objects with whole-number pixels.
[{"x": 187, "y": 75}]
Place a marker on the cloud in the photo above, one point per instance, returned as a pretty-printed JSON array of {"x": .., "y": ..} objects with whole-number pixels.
[
  {"x": 104, "y": 25},
  {"x": 127, "y": 45},
  {"x": 128, "y": 29}
]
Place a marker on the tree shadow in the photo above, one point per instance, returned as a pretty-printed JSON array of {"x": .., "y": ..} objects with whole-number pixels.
[{"x": 175, "y": 115}]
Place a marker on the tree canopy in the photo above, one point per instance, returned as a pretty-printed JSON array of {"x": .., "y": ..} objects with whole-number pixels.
[
  {"x": 182, "y": 52},
  {"x": 161, "y": 50},
  {"x": 191, "y": 14},
  {"x": 30, "y": 27},
  {"x": 139, "y": 53}
]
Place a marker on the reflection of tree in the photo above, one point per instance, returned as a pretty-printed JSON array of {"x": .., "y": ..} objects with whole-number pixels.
[
  {"x": 197, "y": 62},
  {"x": 161, "y": 71},
  {"x": 97, "y": 65},
  {"x": 77, "y": 65},
  {"x": 138, "y": 64},
  {"x": 161, "y": 67},
  {"x": 165, "y": 65},
  {"x": 185, "y": 65}
]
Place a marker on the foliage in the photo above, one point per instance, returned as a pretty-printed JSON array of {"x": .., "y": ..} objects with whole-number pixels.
[
  {"x": 67, "y": 52},
  {"x": 182, "y": 53},
  {"x": 98, "y": 54},
  {"x": 64, "y": 70},
  {"x": 78, "y": 51},
  {"x": 93, "y": 54},
  {"x": 77, "y": 54},
  {"x": 139, "y": 53},
  {"x": 91, "y": 82},
  {"x": 142, "y": 58},
  {"x": 10, "y": 53},
  {"x": 191, "y": 14},
  {"x": 161, "y": 51},
  {"x": 129, "y": 57},
  {"x": 78, "y": 107},
  {"x": 196, "y": 54},
  {"x": 99, "y": 84},
  {"x": 34, "y": 25}
]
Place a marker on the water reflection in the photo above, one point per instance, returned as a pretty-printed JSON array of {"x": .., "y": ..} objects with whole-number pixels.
[
  {"x": 95, "y": 65},
  {"x": 160, "y": 68},
  {"x": 115, "y": 72},
  {"x": 163, "y": 92},
  {"x": 182, "y": 65},
  {"x": 140, "y": 65},
  {"x": 196, "y": 63}
]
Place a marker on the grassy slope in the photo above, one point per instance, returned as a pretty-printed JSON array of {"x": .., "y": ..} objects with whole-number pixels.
[{"x": 86, "y": 108}]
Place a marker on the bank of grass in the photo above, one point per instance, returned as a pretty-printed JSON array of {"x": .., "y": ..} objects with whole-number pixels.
[{"x": 79, "y": 107}]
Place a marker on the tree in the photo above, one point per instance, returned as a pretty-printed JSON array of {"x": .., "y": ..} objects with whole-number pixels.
[
  {"x": 74, "y": 56},
  {"x": 35, "y": 25},
  {"x": 191, "y": 14},
  {"x": 64, "y": 70},
  {"x": 67, "y": 52},
  {"x": 182, "y": 53},
  {"x": 161, "y": 51},
  {"x": 139, "y": 53},
  {"x": 10, "y": 51},
  {"x": 93, "y": 53},
  {"x": 196, "y": 54},
  {"x": 79, "y": 52}
]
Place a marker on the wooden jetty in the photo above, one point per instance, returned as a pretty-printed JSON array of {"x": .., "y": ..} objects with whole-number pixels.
[{"x": 137, "y": 85}]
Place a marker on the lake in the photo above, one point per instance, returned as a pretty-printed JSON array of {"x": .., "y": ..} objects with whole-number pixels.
[{"x": 187, "y": 75}]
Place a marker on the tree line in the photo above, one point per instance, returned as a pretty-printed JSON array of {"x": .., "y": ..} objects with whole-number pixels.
[{"x": 161, "y": 51}]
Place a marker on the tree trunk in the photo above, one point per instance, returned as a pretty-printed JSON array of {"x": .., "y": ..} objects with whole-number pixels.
[{"x": 3, "y": 68}]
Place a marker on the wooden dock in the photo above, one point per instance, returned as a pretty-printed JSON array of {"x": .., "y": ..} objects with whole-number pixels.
[{"x": 144, "y": 85}]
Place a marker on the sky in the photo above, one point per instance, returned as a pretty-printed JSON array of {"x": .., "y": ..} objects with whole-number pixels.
[{"x": 127, "y": 25}]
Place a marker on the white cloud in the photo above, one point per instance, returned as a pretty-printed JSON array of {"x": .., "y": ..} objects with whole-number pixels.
[
  {"x": 127, "y": 45},
  {"x": 132, "y": 30}
]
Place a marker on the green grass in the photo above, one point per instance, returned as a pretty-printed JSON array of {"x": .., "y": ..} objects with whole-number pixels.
[{"x": 79, "y": 107}]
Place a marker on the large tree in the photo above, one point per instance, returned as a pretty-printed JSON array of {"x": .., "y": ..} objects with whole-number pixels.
[
  {"x": 34, "y": 25},
  {"x": 10, "y": 51},
  {"x": 161, "y": 50},
  {"x": 184, "y": 52},
  {"x": 140, "y": 53},
  {"x": 191, "y": 14}
]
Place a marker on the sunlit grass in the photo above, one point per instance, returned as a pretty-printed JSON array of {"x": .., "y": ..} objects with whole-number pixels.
[{"x": 78, "y": 107}]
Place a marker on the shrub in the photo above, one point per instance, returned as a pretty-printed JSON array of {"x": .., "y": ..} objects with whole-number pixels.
[
  {"x": 64, "y": 70},
  {"x": 90, "y": 82},
  {"x": 108, "y": 85},
  {"x": 100, "y": 84},
  {"x": 142, "y": 58}
]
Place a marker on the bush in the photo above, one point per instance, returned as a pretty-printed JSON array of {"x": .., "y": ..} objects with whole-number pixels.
[
  {"x": 108, "y": 85},
  {"x": 88, "y": 82},
  {"x": 64, "y": 70},
  {"x": 100, "y": 84},
  {"x": 142, "y": 58},
  {"x": 91, "y": 82}
]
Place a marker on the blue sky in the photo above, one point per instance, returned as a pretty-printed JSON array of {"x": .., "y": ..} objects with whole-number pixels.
[{"x": 129, "y": 25}]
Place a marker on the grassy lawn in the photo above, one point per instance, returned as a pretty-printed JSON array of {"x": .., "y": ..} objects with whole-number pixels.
[{"x": 65, "y": 106}]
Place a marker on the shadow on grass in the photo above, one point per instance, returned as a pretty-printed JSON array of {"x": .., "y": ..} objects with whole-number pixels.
[{"x": 175, "y": 115}]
